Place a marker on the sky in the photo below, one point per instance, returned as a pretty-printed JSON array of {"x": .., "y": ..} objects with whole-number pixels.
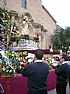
[{"x": 60, "y": 11}]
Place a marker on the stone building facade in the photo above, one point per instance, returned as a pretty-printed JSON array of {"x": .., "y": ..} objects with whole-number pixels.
[{"x": 36, "y": 21}]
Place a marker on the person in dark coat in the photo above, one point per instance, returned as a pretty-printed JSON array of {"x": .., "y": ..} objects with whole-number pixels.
[
  {"x": 69, "y": 70},
  {"x": 37, "y": 74},
  {"x": 61, "y": 72}
]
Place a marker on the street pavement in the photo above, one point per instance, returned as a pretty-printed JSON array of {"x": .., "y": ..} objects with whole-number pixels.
[{"x": 54, "y": 90}]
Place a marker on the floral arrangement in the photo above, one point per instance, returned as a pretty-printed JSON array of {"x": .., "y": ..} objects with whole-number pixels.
[
  {"x": 4, "y": 19},
  {"x": 8, "y": 62}
]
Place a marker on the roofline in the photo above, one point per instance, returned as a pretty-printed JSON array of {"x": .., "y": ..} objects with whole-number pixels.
[
  {"x": 49, "y": 13},
  {"x": 59, "y": 26}
]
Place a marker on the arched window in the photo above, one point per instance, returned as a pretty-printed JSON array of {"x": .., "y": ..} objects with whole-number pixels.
[{"x": 23, "y": 3}]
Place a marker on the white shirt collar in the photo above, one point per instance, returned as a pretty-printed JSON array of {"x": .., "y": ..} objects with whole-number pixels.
[
  {"x": 38, "y": 61},
  {"x": 64, "y": 62}
]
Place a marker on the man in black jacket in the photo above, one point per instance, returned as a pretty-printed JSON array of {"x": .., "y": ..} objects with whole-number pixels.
[
  {"x": 61, "y": 71},
  {"x": 69, "y": 70},
  {"x": 37, "y": 74}
]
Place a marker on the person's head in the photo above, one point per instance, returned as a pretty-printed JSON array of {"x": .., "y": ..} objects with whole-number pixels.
[
  {"x": 39, "y": 54},
  {"x": 63, "y": 58}
]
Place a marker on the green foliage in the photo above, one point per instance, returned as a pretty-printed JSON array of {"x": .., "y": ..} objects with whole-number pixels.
[
  {"x": 61, "y": 38},
  {"x": 4, "y": 19}
]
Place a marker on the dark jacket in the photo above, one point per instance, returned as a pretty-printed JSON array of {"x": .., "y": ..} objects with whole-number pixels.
[
  {"x": 37, "y": 75},
  {"x": 62, "y": 73}
]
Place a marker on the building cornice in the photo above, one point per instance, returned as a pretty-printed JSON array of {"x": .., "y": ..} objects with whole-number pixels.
[{"x": 49, "y": 13}]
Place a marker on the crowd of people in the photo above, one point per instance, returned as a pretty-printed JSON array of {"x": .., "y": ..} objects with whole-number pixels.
[{"x": 37, "y": 73}]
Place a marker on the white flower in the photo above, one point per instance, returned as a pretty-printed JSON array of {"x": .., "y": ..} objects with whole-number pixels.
[
  {"x": 3, "y": 69},
  {"x": 10, "y": 71},
  {"x": 7, "y": 70}
]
